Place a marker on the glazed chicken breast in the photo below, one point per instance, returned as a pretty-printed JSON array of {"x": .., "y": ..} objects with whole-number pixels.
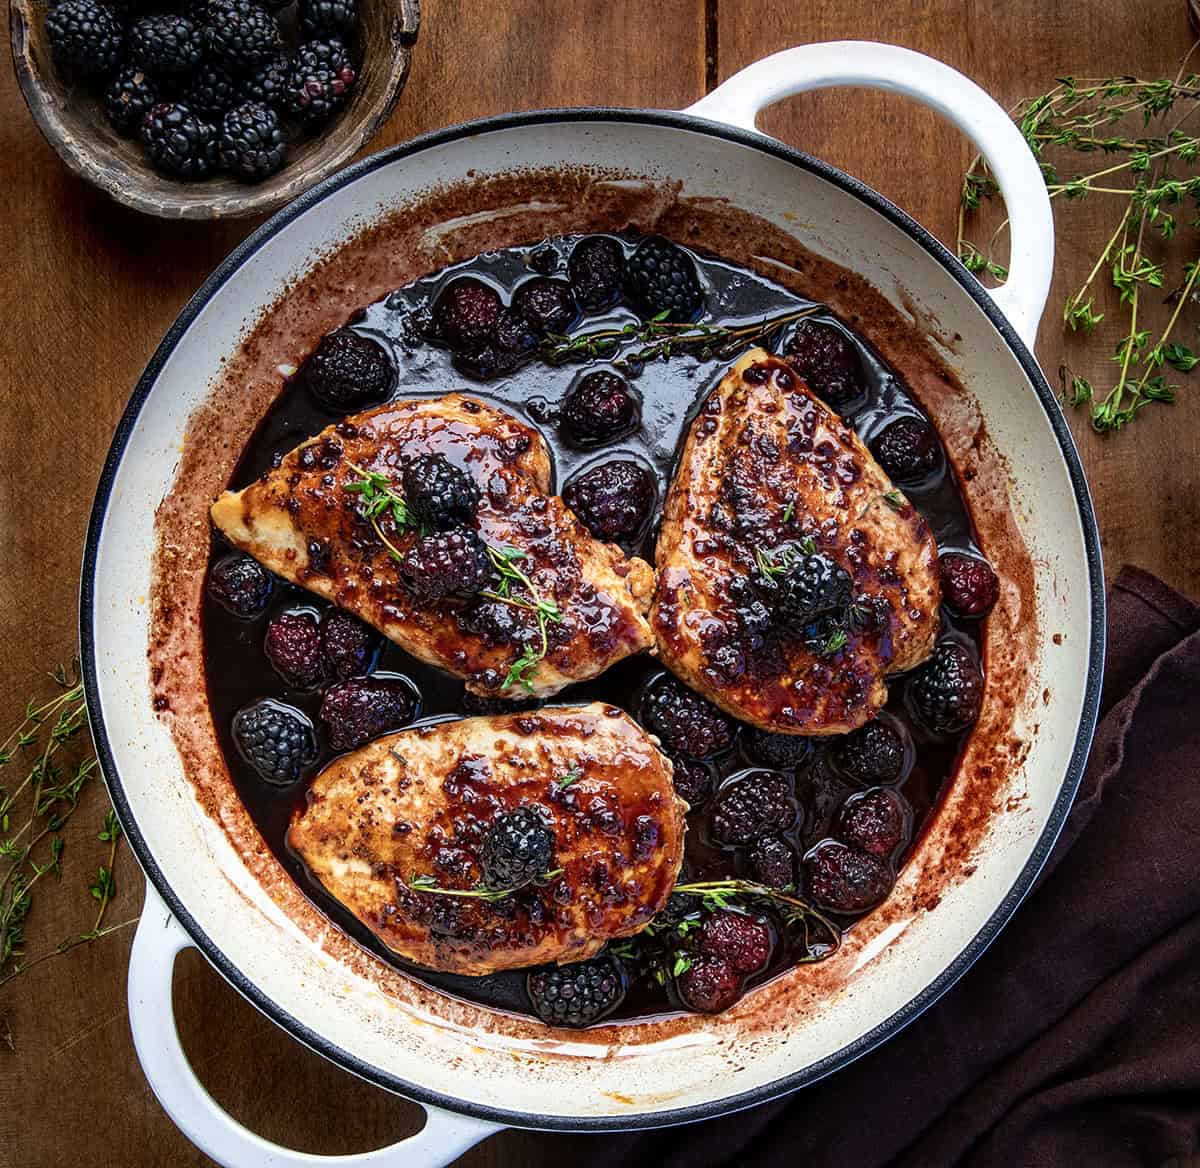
[
  {"x": 565, "y": 818},
  {"x": 793, "y": 575},
  {"x": 559, "y": 605}
]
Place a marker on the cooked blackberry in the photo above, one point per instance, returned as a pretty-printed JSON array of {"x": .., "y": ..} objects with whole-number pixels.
[
  {"x": 684, "y": 722},
  {"x": 322, "y": 77},
  {"x": 275, "y": 739},
  {"x": 828, "y": 362},
  {"x": 945, "y": 693},
  {"x": 599, "y": 407},
  {"x": 843, "y": 879},
  {"x": 969, "y": 585},
  {"x": 252, "y": 143},
  {"x": 450, "y": 563},
  {"x": 439, "y": 495},
  {"x": 293, "y": 646},
  {"x": 498, "y": 623},
  {"x": 268, "y": 82},
  {"x": 907, "y": 449},
  {"x": 548, "y": 305},
  {"x": 327, "y": 17},
  {"x": 128, "y": 99},
  {"x": 86, "y": 38},
  {"x": 348, "y": 647},
  {"x": 597, "y": 268},
  {"x": 212, "y": 91},
  {"x": 693, "y": 780},
  {"x": 356, "y": 711},
  {"x": 517, "y": 850},
  {"x": 773, "y": 862},
  {"x": 756, "y": 804},
  {"x": 739, "y": 938},
  {"x": 579, "y": 994},
  {"x": 813, "y": 587},
  {"x": 347, "y": 371},
  {"x": 241, "y": 34},
  {"x": 661, "y": 281},
  {"x": 872, "y": 754},
  {"x": 178, "y": 142},
  {"x": 465, "y": 315},
  {"x": 709, "y": 984},
  {"x": 876, "y": 821},
  {"x": 781, "y": 752},
  {"x": 614, "y": 499},
  {"x": 512, "y": 344},
  {"x": 240, "y": 584},
  {"x": 165, "y": 45}
]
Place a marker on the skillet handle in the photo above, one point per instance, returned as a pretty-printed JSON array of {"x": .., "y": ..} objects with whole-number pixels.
[
  {"x": 159, "y": 940},
  {"x": 739, "y": 100}
]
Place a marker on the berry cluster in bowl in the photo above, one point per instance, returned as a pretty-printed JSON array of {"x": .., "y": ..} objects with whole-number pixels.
[{"x": 211, "y": 85}]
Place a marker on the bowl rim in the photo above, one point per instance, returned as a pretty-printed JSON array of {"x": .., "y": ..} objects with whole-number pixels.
[
  {"x": 970, "y": 950},
  {"x": 258, "y": 198}
]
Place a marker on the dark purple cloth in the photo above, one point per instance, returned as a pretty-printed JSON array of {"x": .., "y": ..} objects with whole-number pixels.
[{"x": 1074, "y": 1042}]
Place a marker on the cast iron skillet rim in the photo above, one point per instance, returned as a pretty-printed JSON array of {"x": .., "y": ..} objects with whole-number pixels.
[{"x": 970, "y": 952}]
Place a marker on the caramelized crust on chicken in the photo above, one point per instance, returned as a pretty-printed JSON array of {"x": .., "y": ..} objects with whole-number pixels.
[
  {"x": 301, "y": 522},
  {"x": 766, "y": 464},
  {"x": 416, "y": 807}
]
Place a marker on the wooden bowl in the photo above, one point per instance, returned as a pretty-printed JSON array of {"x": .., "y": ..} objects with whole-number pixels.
[{"x": 72, "y": 119}]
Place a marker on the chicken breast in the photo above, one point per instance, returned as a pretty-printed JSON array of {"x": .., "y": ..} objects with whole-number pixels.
[
  {"x": 305, "y": 521},
  {"x": 769, "y": 474},
  {"x": 389, "y": 829}
]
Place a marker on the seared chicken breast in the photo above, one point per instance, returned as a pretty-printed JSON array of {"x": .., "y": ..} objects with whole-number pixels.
[
  {"x": 395, "y": 829},
  {"x": 307, "y": 521},
  {"x": 770, "y": 477}
]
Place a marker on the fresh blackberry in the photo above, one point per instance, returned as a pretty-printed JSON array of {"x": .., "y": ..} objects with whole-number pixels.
[
  {"x": 693, "y": 780},
  {"x": 178, "y": 142},
  {"x": 465, "y": 315},
  {"x": 252, "y": 143},
  {"x": 709, "y": 984},
  {"x": 599, "y": 407},
  {"x": 165, "y": 45},
  {"x": 969, "y": 585},
  {"x": 874, "y": 753},
  {"x": 276, "y": 740},
  {"x": 754, "y": 805},
  {"x": 613, "y": 500},
  {"x": 268, "y": 82},
  {"x": 320, "y": 18},
  {"x": 773, "y": 862},
  {"x": 579, "y": 994},
  {"x": 240, "y": 584},
  {"x": 661, "y": 277},
  {"x": 241, "y": 33},
  {"x": 212, "y": 91},
  {"x": 684, "y": 722},
  {"x": 907, "y": 450},
  {"x": 813, "y": 587},
  {"x": 356, "y": 711},
  {"x": 780, "y": 752},
  {"x": 348, "y": 647},
  {"x": 347, "y": 371},
  {"x": 597, "y": 268},
  {"x": 439, "y": 495},
  {"x": 293, "y": 646},
  {"x": 876, "y": 821},
  {"x": 86, "y": 38},
  {"x": 128, "y": 99},
  {"x": 828, "y": 363},
  {"x": 843, "y": 879},
  {"x": 514, "y": 342},
  {"x": 322, "y": 77},
  {"x": 946, "y": 693},
  {"x": 517, "y": 850},
  {"x": 450, "y": 563},
  {"x": 547, "y": 304},
  {"x": 739, "y": 938}
]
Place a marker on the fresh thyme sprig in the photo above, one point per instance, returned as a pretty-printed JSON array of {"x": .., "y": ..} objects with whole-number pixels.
[
  {"x": 427, "y": 883},
  {"x": 377, "y": 497},
  {"x": 719, "y": 894}
]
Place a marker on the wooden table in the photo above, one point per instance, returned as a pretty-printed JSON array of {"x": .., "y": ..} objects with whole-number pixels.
[{"x": 89, "y": 288}]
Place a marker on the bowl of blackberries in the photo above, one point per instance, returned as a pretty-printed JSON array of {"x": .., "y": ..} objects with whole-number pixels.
[{"x": 209, "y": 109}]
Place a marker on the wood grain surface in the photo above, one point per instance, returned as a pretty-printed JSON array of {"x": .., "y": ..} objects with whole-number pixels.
[{"x": 88, "y": 289}]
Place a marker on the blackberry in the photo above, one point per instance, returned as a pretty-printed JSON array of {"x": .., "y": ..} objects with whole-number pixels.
[
  {"x": 579, "y": 994},
  {"x": 439, "y": 495},
  {"x": 268, "y": 82},
  {"x": 874, "y": 753},
  {"x": 684, "y": 722},
  {"x": 498, "y": 623},
  {"x": 128, "y": 99},
  {"x": 945, "y": 694},
  {"x": 321, "y": 79},
  {"x": 693, "y": 780},
  {"x": 517, "y": 850},
  {"x": 600, "y": 407},
  {"x": 813, "y": 587},
  {"x": 327, "y": 17},
  {"x": 348, "y": 647},
  {"x": 240, "y": 584},
  {"x": 212, "y": 91},
  {"x": 252, "y": 143},
  {"x": 293, "y": 646},
  {"x": 276, "y": 740},
  {"x": 661, "y": 277},
  {"x": 907, "y": 450},
  {"x": 613, "y": 500},
  {"x": 85, "y": 37},
  {"x": 347, "y": 371},
  {"x": 356, "y": 711},
  {"x": 780, "y": 752},
  {"x": 548, "y": 305},
  {"x": 465, "y": 315},
  {"x": 166, "y": 46},
  {"x": 179, "y": 143},
  {"x": 597, "y": 268},
  {"x": 514, "y": 342},
  {"x": 843, "y": 879},
  {"x": 241, "y": 34},
  {"x": 875, "y": 821},
  {"x": 743, "y": 941},
  {"x": 969, "y": 585},
  {"x": 773, "y": 862},
  {"x": 450, "y": 563},
  {"x": 828, "y": 363},
  {"x": 709, "y": 984},
  {"x": 754, "y": 805}
]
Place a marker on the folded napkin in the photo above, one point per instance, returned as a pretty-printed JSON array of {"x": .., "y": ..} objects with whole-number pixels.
[{"x": 1075, "y": 1039}]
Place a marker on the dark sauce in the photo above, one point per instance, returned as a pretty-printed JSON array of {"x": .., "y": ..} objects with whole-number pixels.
[{"x": 238, "y": 672}]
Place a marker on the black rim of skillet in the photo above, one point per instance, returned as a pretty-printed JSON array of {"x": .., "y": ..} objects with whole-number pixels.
[{"x": 970, "y": 952}]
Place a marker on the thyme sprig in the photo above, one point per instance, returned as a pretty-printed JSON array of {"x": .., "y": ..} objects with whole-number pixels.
[
  {"x": 428, "y": 883},
  {"x": 378, "y": 497}
]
